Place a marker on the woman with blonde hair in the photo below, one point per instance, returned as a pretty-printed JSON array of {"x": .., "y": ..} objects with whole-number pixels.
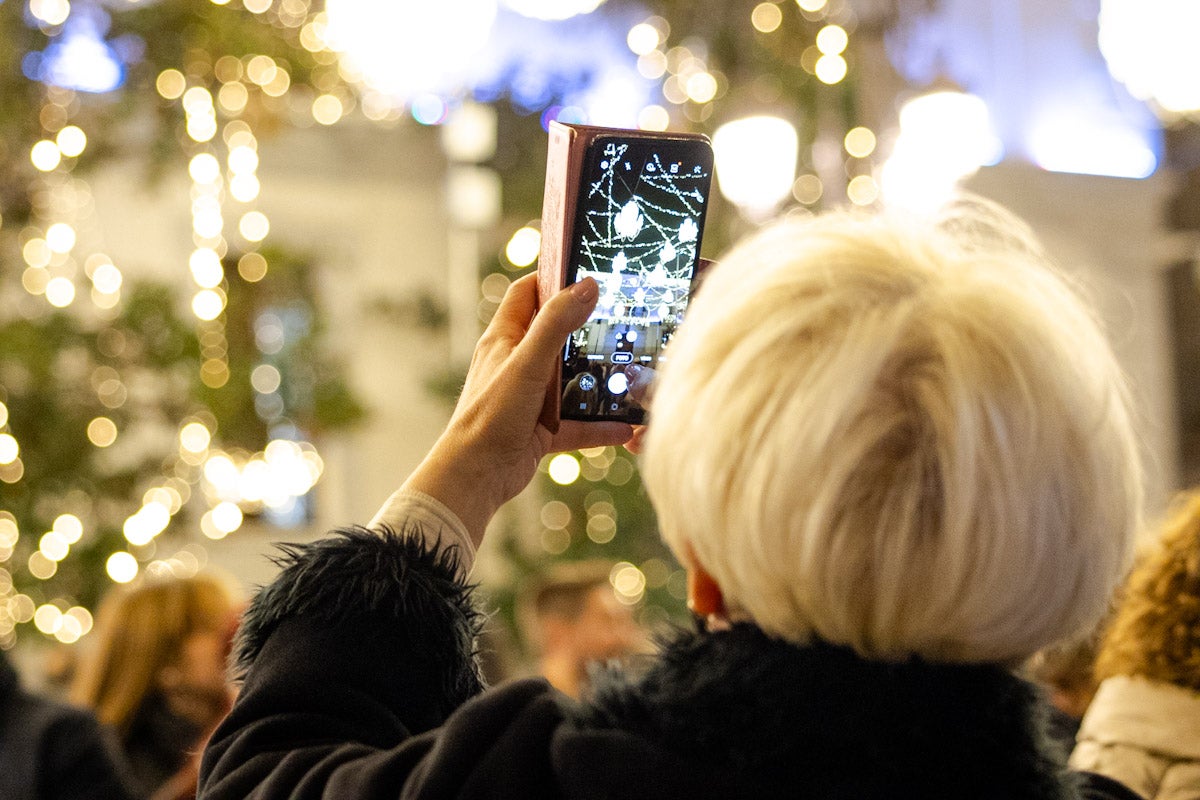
[
  {"x": 156, "y": 671},
  {"x": 1143, "y": 727},
  {"x": 895, "y": 457}
]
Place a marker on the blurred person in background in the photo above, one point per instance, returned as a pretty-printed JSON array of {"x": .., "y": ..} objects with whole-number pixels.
[
  {"x": 573, "y": 620},
  {"x": 1143, "y": 728},
  {"x": 155, "y": 674},
  {"x": 896, "y": 458},
  {"x": 52, "y": 751},
  {"x": 1067, "y": 672}
]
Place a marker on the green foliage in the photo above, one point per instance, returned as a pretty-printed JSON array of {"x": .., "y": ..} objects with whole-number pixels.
[
  {"x": 314, "y": 393},
  {"x": 58, "y": 375},
  {"x": 53, "y": 367},
  {"x": 141, "y": 371}
]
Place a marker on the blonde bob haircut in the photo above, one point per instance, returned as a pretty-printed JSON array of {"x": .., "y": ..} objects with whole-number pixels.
[
  {"x": 905, "y": 436},
  {"x": 140, "y": 629}
]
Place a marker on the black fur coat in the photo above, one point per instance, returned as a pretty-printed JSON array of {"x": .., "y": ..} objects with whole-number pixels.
[{"x": 360, "y": 682}]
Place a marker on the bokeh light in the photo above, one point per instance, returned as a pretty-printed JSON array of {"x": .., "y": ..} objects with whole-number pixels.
[
  {"x": 327, "y": 109},
  {"x": 194, "y": 437},
  {"x": 862, "y": 190},
  {"x": 204, "y": 168},
  {"x": 170, "y": 84},
  {"x": 45, "y": 155},
  {"x": 48, "y": 618},
  {"x": 9, "y": 449},
  {"x": 226, "y": 517},
  {"x": 53, "y": 546},
  {"x": 207, "y": 305},
  {"x": 831, "y": 68},
  {"x": 265, "y": 379},
  {"x": 1150, "y": 47},
  {"x": 60, "y": 292},
  {"x": 71, "y": 141},
  {"x": 107, "y": 279},
  {"x": 523, "y": 248},
  {"x": 807, "y": 189},
  {"x": 564, "y": 469},
  {"x": 756, "y": 162},
  {"x": 41, "y": 567},
  {"x": 51, "y": 12},
  {"x": 37, "y": 252},
  {"x": 122, "y": 567},
  {"x": 832, "y": 40},
  {"x": 206, "y": 268},
  {"x": 254, "y": 226},
  {"x": 252, "y": 267},
  {"x": 628, "y": 582},
  {"x": 642, "y": 38},
  {"x": 553, "y": 9},
  {"x": 69, "y": 527},
  {"x": 654, "y": 118},
  {"x": 102, "y": 431},
  {"x": 60, "y": 237},
  {"x": 944, "y": 137},
  {"x": 859, "y": 142},
  {"x": 766, "y": 17}
]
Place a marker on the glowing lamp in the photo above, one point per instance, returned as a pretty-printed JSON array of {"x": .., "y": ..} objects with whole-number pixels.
[
  {"x": 552, "y": 9},
  {"x": 945, "y": 136},
  {"x": 403, "y": 49},
  {"x": 1150, "y": 47},
  {"x": 756, "y": 162}
]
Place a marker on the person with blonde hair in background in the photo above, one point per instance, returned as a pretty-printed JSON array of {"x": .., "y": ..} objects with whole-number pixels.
[
  {"x": 1143, "y": 727},
  {"x": 155, "y": 673},
  {"x": 895, "y": 457}
]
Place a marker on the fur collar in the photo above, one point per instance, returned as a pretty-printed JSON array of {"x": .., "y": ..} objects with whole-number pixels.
[{"x": 822, "y": 720}]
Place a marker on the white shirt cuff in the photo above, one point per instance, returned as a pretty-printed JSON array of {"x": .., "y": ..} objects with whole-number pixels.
[{"x": 408, "y": 508}]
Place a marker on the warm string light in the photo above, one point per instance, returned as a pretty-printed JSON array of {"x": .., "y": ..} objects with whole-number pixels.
[
  {"x": 207, "y": 272},
  {"x": 52, "y": 254},
  {"x": 688, "y": 84},
  {"x": 599, "y": 519},
  {"x": 273, "y": 479},
  {"x": 285, "y": 470}
]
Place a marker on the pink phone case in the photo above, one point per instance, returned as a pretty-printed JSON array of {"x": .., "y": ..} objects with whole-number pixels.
[{"x": 568, "y": 145}]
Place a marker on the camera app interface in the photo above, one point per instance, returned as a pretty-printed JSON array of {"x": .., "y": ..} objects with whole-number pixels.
[{"x": 637, "y": 232}]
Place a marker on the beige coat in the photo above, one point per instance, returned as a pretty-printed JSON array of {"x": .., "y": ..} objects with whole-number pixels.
[{"x": 1145, "y": 735}]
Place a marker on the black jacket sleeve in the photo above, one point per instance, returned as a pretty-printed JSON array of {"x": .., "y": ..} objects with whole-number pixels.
[{"x": 351, "y": 658}]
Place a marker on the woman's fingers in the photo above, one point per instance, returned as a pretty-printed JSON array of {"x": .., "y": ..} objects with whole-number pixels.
[
  {"x": 511, "y": 319},
  {"x": 575, "y": 435},
  {"x": 641, "y": 383},
  {"x": 566, "y": 311},
  {"x": 634, "y": 445}
]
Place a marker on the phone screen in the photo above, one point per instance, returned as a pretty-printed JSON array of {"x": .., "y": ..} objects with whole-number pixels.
[{"x": 637, "y": 231}]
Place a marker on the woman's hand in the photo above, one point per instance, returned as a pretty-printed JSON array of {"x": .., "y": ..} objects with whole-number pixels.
[{"x": 493, "y": 443}]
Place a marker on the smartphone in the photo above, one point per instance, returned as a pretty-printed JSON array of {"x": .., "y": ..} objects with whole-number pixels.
[{"x": 639, "y": 212}]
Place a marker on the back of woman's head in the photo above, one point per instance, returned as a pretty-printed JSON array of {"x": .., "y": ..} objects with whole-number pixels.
[
  {"x": 140, "y": 629},
  {"x": 906, "y": 436},
  {"x": 1155, "y": 632}
]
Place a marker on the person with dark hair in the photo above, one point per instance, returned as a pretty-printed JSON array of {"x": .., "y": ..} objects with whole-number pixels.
[
  {"x": 53, "y": 751},
  {"x": 896, "y": 458},
  {"x": 574, "y": 620}
]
